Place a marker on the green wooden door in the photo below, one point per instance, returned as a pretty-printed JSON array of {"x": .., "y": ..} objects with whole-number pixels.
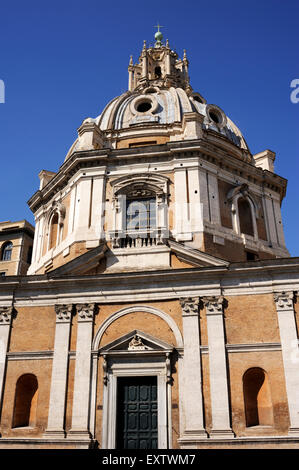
[{"x": 137, "y": 413}]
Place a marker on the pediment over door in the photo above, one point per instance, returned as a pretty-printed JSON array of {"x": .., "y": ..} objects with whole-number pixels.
[{"x": 136, "y": 342}]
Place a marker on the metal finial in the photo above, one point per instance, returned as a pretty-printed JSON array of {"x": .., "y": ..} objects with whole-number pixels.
[{"x": 158, "y": 36}]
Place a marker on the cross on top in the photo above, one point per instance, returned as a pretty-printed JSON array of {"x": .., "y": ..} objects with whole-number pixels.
[{"x": 158, "y": 26}]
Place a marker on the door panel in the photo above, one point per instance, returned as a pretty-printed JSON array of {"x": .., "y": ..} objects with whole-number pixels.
[{"x": 137, "y": 413}]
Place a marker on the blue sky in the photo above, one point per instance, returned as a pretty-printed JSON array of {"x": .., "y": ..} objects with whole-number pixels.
[{"x": 63, "y": 61}]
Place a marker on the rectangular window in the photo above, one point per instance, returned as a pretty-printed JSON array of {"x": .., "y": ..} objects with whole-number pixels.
[{"x": 141, "y": 214}]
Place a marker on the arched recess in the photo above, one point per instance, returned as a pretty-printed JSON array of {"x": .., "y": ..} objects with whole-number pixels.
[
  {"x": 244, "y": 210},
  {"x": 136, "y": 366},
  {"x": 257, "y": 398},
  {"x": 245, "y": 216},
  {"x": 138, "y": 308},
  {"x": 54, "y": 224},
  {"x": 25, "y": 403},
  {"x": 53, "y": 230}
]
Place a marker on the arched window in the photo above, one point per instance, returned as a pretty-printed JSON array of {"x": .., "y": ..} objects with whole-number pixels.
[
  {"x": 244, "y": 210},
  {"x": 53, "y": 231},
  {"x": 25, "y": 401},
  {"x": 29, "y": 255},
  {"x": 257, "y": 398},
  {"x": 245, "y": 217},
  {"x": 158, "y": 72},
  {"x": 140, "y": 210},
  {"x": 6, "y": 251}
]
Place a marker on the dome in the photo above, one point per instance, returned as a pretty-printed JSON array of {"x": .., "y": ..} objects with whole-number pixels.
[
  {"x": 166, "y": 106},
  {"x": 158, "y": 102}
]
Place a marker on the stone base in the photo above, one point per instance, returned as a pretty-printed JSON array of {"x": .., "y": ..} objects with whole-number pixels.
[
  {"x": 294, "y": 432},
  {"x": 190, "y": 438},
  {"x": 54, "y": 434},
  {"x": 222, "y": 434},
  {"x": 46, "y": 443},
  {"x": 79, "y": 434}
]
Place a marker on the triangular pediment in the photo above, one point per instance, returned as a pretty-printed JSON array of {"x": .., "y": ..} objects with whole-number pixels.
[
  {"x": 136, "y": 341},
  {"x": 195, "y": 257}
]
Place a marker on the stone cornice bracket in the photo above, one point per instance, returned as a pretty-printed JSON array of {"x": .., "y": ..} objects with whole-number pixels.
[
  {"x": 284, "y": 300},
  {"x": 214, "y": 305},
  {"x": 63, "y": 313},
  {"x": 86, "y": 312},
  {"x": 190, "y": 306},
  {"x": 6, "y": 314}
]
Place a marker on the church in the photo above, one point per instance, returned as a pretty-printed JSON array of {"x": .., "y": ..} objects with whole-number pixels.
[{"x": 153, "y": 305}]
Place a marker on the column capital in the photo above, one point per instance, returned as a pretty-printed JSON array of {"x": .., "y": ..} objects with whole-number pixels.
[
  {"x": 214, "y": 304},
  {"x": 190, "y": 305},
  {"x": 85, "y": 312},
  {"x": 63, "y": 313},
  {"x": 6, "y": 315},
  {"x": 284, "y": 300}
]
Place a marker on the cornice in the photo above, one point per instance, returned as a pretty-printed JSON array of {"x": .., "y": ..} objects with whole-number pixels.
[
  {"x": 229, "y": 159},
  {"x": 252, "y": 278}
]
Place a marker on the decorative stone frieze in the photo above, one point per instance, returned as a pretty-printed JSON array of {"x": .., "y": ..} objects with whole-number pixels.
[
  {"x": 6, "y": 315},
  {"x": 190, "y": 305},
  {"x": 63, "y": 312},
  {"x": 85, "y": 312}
]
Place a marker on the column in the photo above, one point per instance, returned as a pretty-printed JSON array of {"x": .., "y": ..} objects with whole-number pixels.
[
  {"x": 190, "y": 385},
  {"x": 59, "y": 372},
  {"x": 289, "y": 347},
  {"x": 218, "y": 369},
  {"x": 6, "y": 314},
  {"x": 81, "y": 400}
]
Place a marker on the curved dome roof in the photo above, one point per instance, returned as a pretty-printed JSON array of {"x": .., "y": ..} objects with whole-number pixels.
[
  {"x": 165, "y": 106},
  {"x": 158, "y": 97}
]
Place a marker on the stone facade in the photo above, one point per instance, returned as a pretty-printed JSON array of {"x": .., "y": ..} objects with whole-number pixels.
[{"x": 158, "y": 252}]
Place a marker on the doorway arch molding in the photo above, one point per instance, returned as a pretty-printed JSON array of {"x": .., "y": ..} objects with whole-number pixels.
[{"x": 138, "y": 308}]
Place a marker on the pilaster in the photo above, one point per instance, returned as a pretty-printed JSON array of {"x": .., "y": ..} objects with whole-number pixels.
[
  {"x": 59, "y": 372},
  {"x": 6, "y": 314},
  {"x": 191, "y": 383},
  {"x": 81, "y": 400},
  {"x": 218, "y": 368},
  {"x": 289, "y": 346}
]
